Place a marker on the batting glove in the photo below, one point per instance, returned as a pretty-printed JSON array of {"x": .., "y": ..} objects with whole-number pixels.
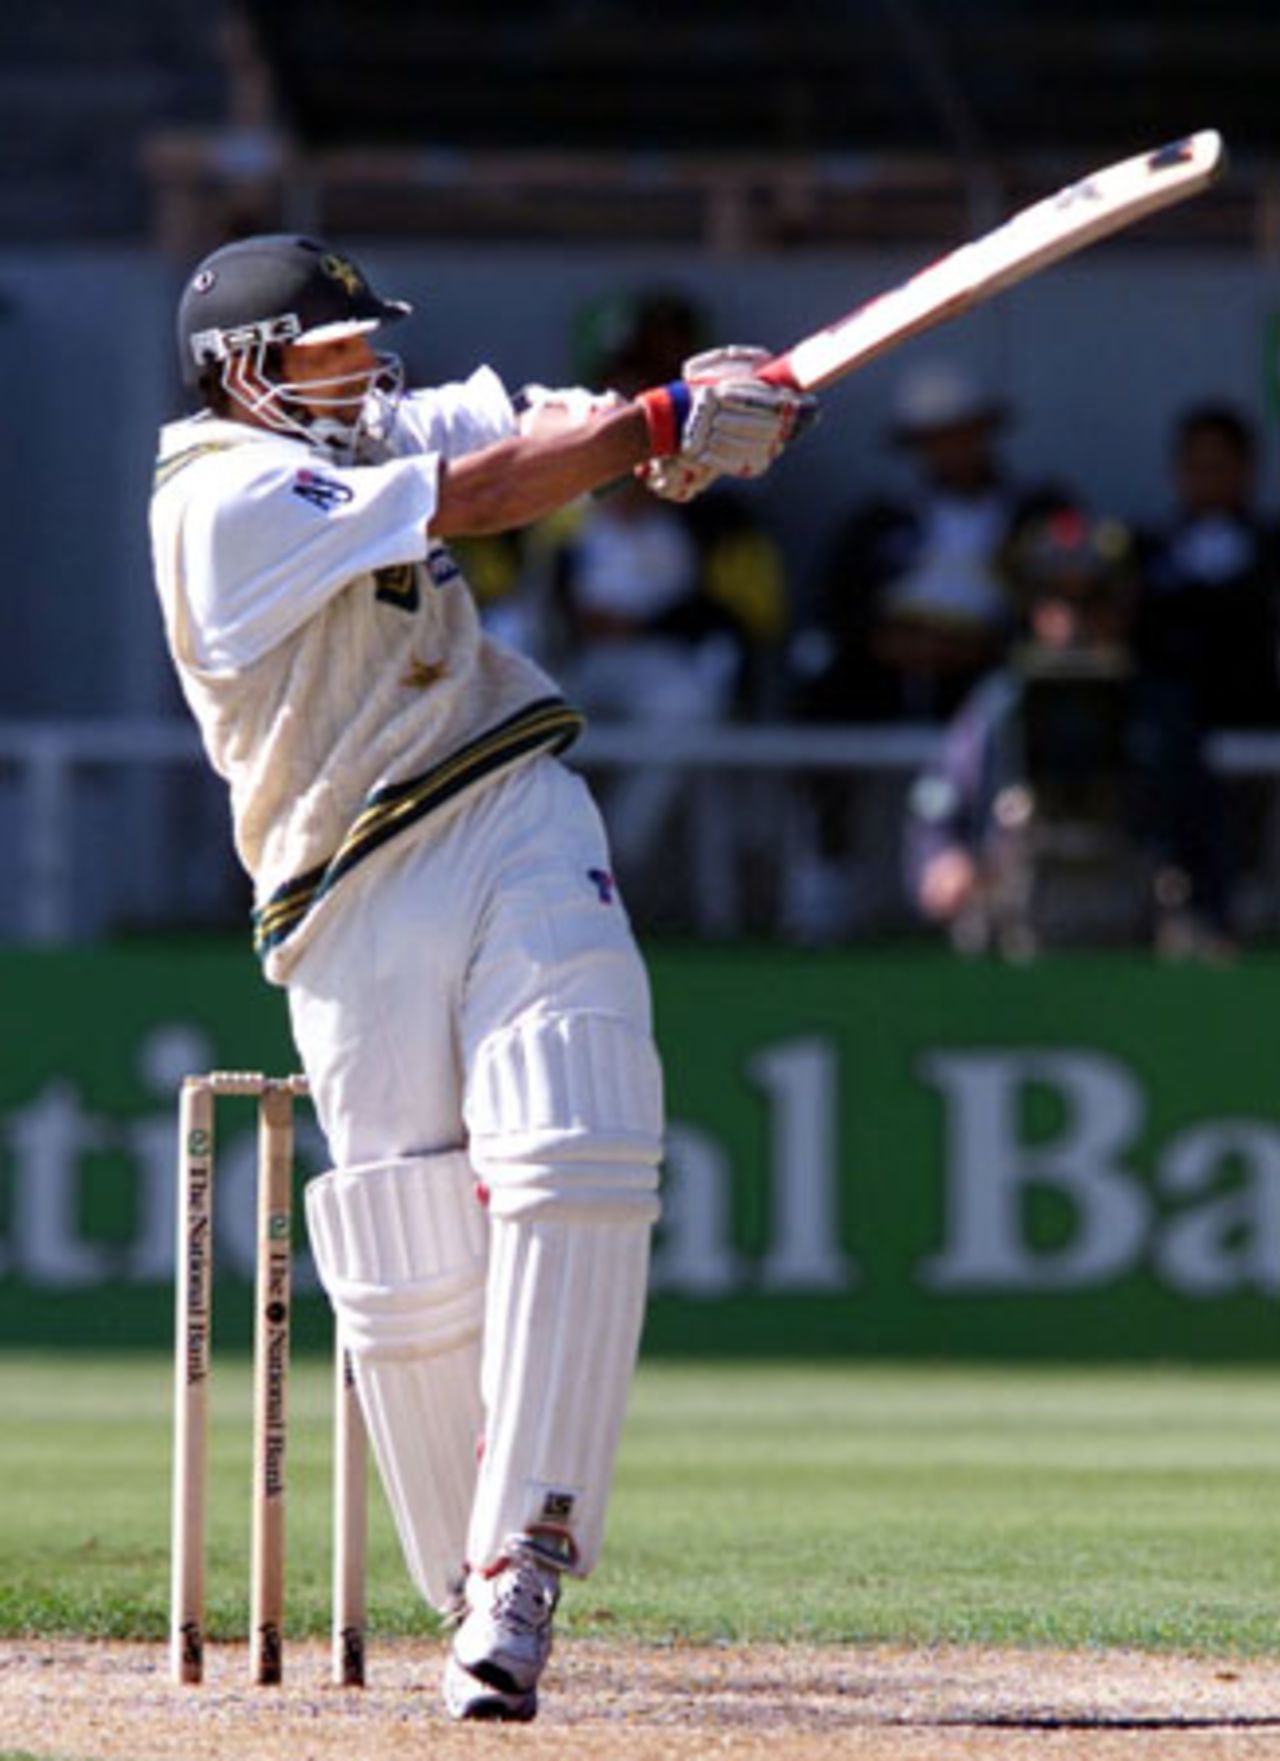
[{"x": 719, "y": 421}]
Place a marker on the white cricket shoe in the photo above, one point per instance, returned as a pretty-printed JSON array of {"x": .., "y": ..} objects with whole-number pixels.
[
  {"x": 454, "y": 1611},
  {"x": 505, "y": 1640},
  {"x": 467, "y": 1697}
]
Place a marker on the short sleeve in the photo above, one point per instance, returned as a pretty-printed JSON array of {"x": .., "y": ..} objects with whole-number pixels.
[{"x": 268, "y": 537}]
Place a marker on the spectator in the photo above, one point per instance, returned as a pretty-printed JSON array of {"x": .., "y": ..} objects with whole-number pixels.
[
  {"x": 667, "y": 612},
  {"x": 1207, "y": 611},
  {"x": 1044, "y": 741},
  {"x": 1206, "y": 639},
  {"x": 621, "y": 331},
  {"x": 912, "y": 611},
  {"x": 514, "y": 573}
]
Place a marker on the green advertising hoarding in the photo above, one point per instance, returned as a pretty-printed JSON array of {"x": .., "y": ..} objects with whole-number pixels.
[{"x": 873, "y": 1153}]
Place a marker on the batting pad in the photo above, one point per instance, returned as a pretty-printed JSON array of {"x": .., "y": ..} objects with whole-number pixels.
[
  {"x": 565, "y": 1120},
  {"x": 401, "y": 1248}
]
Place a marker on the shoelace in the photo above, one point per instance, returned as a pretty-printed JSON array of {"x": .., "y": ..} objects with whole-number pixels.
[{"x": 526, "y": 1595}]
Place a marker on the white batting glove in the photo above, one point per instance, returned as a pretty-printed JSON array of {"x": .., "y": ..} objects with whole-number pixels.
[
  {"x": 678, "y": 478},
  {"x": 542, "y": 409},
  {"x": 675, "y": 479},
  {"x": 733, "y": 362},
  {"x": 719, "y": 421},
  {"x": 740, "y": 425}
]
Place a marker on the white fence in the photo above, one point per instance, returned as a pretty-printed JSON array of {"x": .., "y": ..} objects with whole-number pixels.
[{"x": 111, "y": 825}]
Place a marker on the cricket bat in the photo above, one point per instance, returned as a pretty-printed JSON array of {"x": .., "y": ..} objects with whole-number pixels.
[{"x": 1045, "y": 233}]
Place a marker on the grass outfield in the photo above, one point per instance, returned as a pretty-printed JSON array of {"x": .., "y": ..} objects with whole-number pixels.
[{"x": 822, "y": 1503}]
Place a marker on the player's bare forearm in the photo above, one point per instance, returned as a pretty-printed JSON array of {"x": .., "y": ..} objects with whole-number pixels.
[{"x": 519, "y": 480}]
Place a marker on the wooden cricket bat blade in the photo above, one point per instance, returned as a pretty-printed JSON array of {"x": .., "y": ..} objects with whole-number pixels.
[{"x": 1049, "y": 230}]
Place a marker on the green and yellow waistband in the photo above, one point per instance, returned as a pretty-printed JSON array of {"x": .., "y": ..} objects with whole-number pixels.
[{"x": 549, "y": 723}]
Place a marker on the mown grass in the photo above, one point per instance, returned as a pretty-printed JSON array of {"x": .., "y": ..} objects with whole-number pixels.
[{"x": 1098, "y": 1507}]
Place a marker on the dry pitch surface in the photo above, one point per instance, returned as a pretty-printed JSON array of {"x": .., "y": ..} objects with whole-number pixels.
[{"x": 89, "y": 1702}]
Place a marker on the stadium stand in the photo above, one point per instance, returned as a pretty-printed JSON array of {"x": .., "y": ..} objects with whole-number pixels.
[{"x": 825, "y": 121}]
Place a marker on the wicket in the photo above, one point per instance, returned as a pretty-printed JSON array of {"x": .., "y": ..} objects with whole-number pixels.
[{"x": 192, "y": 1342}]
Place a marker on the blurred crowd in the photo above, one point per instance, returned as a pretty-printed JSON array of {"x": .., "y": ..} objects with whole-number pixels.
[{"x": 1073, "y": 669}]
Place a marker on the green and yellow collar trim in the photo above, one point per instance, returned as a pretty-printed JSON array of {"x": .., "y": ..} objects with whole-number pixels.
[{"x": 168, "y": 468}]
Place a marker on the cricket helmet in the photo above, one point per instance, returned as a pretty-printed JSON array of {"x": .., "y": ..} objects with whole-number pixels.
[{"x": 250, "y": 297}]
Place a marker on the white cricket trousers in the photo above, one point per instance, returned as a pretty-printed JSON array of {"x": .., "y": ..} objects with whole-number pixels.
[
  {"x": 507, "y": 906},
  {"x": 476, "y": 1016}
]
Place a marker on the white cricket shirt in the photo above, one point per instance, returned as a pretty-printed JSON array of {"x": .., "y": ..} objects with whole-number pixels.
[{"x": 330, "y": 650}]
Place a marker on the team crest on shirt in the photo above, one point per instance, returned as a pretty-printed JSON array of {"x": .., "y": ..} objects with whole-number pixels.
[
  {"x": 604, "y": 884},
  {"x": 419, "y": 675},
  {"x": 325, "y": 493}
]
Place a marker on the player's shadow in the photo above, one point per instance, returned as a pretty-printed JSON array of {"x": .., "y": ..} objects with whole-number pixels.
[{"x": 1096, "y": 1721}]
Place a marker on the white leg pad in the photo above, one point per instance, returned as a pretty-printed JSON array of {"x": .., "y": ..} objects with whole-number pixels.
[
  {"x": 401, "y": 1250},
  {"x": 565, "y": 1119}
]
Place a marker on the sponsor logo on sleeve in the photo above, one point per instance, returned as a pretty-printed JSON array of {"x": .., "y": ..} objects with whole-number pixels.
[{"x": 325, "y": 493}]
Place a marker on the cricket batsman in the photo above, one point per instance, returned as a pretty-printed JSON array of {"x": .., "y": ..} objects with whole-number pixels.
[{"x": 434, "y": 891}]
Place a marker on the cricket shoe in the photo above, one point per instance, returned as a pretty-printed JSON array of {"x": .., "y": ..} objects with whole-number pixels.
[
  {"x": 454, "y": 1611},
  {"x": 505, "y": 1639},
  {"x": 467, "y": 1697}
]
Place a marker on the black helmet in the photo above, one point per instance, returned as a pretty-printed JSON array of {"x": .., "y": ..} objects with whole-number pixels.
[
  {"x": 247, "y": 299},
  {"x": 278, "y": 287}
]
